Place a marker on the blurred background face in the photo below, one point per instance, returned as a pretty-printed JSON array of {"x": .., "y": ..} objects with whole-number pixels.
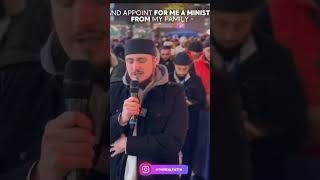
[
  {"x": 181, "y": 70},
  {"x": 206, "y": 52},
  {"x": 140, "y": 66},
  {"x": 165, "y": 54},
  {"x": 115, "y": 42},
  {"x": 81, "y": 26},
  {"x": 230, "y": 30},
  {"x": 183, "y": 43}
]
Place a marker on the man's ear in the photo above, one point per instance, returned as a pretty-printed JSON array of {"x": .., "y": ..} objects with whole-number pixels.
[{"x": 155, "y": 62}]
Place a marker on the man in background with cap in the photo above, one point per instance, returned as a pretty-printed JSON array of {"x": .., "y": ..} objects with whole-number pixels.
[
  {"x": 272, "y": 99},
  {"x": 264, "y": 70},
  {"x": 161, "y": 111},
  {"x": 201, "y": 67},
  {"x": 195, "y": 99},
  {"x": 194, "y": 50}
]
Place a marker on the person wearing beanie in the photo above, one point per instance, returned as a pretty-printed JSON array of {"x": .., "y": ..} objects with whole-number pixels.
[
  {"x": 194, "y": 49},
  {"x": 244, "y": 53},
  {"x": 195, "y": 99},
  {"x": 271, "y": 93},
  {"x": 201, "y": 67},
  {"x": 160, "y": 111}
]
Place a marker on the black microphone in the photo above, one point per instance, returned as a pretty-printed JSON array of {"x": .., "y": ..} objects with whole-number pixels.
[
  {"x": 134, "y": 89},
  {"x": 77, "y": 90}
]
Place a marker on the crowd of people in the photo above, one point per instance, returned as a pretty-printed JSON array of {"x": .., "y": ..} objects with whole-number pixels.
[
  {"x": 268, "y": 51},
  {"x": 187, "y": 62},
  {"x": 261, "y": 59}
]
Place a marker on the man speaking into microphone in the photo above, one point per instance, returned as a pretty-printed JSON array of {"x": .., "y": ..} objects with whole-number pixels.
[
  {"x": 53, "y": 111},
  {"x": 151, "y": 126}
]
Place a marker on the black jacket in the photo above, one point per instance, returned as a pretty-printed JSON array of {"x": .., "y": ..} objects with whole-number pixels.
[
  {"x": 271, "y": 90},
  {"x": 272, "y": 94},
  {"x": 194, "y": 91},
  {"x": 160, "y": 134},
  {"x": 230, "y": 152},
  {"x": 29, "y": 98},
  {"x": 169, "y": 64},
  {"x": 118, "y": 71}
]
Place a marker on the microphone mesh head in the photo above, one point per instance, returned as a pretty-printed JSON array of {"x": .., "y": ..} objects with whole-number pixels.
[
  {"x": 77, "y": 79},
  {"x": 134, "y": 86},
  {"x": 78, "y": 70}
]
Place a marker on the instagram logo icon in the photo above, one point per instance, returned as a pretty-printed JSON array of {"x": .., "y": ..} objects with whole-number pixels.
[{"x": 145, "y": 169}]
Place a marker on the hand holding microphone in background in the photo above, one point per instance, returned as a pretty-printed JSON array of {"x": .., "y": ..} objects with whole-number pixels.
[
  {"x": 67, "y": 144},
  {"x": 131, "y": 106},
  {"x": 130, "y": 109}
]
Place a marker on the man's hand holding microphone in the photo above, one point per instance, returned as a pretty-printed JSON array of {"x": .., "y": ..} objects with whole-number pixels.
[
  {"x": 67, "y": 147},
  {"x": 67, "y": 144},
  {"x": 130, "y": 110}
]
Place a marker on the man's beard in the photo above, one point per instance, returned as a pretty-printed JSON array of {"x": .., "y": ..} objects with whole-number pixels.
[
  {"x": 165, "y": 59},
  {"x": 146, "y": 82},
  {"x": 142, "y": 84},
  {"x": 228, "y": 53},
  {"x": 181, "y": 78}
]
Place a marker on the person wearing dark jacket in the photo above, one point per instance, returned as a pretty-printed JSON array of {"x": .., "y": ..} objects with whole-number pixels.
[
  {"x": 295, "y": 24},
  {"x": 38, "y": 138},
  {"x": 27, "y": 30},
  {"x": 166, "y": 58},
  {"x": 194, "y": 50},
  {"x": 231, "y": 153},
  {"x": 117, "y": 68},
  {"x": 272, "y": 100},
  {"x": 117, "y": 48},
  {"x": 271, "y": 93},
  {"x": 201, "y": 67},
  {"x": 162, "y": 116},
  {"x": 195, "y": 99}
]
